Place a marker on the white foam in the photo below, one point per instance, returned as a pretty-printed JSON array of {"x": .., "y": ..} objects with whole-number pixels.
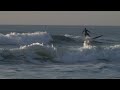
[
  {"x": 25, "y": 38},
  {"x": 87, "y": 42},
  {"x": 72, "y": 36},
  {"x": 37, "y": 44}
]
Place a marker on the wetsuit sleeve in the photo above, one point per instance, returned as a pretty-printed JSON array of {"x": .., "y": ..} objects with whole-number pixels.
[{"x": 89, "y": 31}]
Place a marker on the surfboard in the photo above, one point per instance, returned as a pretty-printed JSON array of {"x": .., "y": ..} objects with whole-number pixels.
[
  {"x": 97, "y": 37},
  {"x": 89, "y": 40}
]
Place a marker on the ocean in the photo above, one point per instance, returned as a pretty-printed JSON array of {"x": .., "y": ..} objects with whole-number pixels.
[{"x": 58, "y": 52}]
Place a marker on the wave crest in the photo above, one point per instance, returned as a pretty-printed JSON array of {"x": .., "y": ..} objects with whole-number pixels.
[{"x": 25, "y": 38}]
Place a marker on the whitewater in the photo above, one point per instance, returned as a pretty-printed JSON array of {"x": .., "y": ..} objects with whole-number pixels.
[{"x": 59, "y": 52}]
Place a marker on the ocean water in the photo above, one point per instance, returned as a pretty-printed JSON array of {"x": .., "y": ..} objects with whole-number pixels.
[{"x": 59, "y": 52}]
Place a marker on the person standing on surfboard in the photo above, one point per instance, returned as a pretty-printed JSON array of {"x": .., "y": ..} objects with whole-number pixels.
[{"x": 86, "y": 32}]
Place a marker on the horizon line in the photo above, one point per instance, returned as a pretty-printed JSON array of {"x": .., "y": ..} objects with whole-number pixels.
[{"x": 52, "y": 25}]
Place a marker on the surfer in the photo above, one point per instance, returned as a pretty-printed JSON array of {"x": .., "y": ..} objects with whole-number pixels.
[
  {"x": 86, "y": 32},
  {"x": 87, "y": 41}
]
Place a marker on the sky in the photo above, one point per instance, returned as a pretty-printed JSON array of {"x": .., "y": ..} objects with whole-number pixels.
[{"x": 60, "y": 18}]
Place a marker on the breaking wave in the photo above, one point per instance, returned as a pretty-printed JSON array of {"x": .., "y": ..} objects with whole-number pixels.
[
  {"x": 37, "y": 48},
  {"x": 29, "y": 53},
  {"x": 25, "y": 38}
]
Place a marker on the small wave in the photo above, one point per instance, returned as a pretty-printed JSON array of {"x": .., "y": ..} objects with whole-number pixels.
[
  {"x": 60, "y": 38},
  {"x": 72, "y": 36}
]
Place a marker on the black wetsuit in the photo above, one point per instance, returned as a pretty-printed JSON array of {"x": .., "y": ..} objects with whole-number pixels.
[{"x": 86, "y": 32}]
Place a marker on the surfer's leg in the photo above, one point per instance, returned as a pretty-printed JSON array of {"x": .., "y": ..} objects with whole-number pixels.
[{"x": 87, "y": 35}]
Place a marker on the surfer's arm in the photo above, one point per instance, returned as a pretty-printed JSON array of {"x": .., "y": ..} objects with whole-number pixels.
[{"x": 89, "y": 31}]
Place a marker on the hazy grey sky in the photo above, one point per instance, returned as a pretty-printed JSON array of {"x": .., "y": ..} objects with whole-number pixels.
[{"x": 60, "y": 17}]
